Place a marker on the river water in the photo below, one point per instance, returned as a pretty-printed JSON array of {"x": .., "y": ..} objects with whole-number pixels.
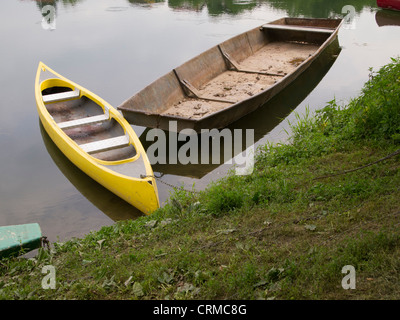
[{"x": 115, "y": 48}]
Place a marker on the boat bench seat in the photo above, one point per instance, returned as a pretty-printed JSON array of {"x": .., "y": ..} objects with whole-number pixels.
[
  {"x": 297, "y": 28},
  {"x": 106, "y": 144},
  {"x": 82, "y": 121},
  {"x": 61, "y": 96}
]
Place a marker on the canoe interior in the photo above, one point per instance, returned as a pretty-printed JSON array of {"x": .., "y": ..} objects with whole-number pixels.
[
  {"x": 233, "y": 71},
  {"x": 81, "y": 108}
]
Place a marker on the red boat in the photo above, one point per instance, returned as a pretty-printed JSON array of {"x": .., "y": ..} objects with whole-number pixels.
[{"x": 389, "y": 4}]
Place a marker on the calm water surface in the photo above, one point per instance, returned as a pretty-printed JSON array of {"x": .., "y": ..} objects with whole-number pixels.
[{"x": 115, "y": 48}]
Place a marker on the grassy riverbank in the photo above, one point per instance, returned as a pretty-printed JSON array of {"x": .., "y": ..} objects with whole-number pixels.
[{"x": 328, "y": 199}]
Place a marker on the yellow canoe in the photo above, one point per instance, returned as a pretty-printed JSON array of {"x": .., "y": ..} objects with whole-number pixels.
[{"x": 96, "y": 138}]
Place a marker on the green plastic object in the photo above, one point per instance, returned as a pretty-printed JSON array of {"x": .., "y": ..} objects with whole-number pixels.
[{"x": 19, "y": 239}]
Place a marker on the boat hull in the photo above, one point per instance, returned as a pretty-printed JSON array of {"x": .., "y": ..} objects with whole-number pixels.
[
  {"x": 389, "y": 4},
  {"x": 139, "y": 187},
  {"x": 147, "y": 107},
  {"x": 19, "y": 239}
]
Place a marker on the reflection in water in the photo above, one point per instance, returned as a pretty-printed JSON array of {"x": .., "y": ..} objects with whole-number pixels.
[
  {"x": 319, "y": 8},
  {"x": 214, "y": 8},
  {"x": 294, "y": 8},
  {"x": 387, "y": 18},
  {"x": 263, "y": 120},
  {"x": 110, "y": 204},
  {"x": 49, "y": 11},
  {"x": 42, "y": 3},
  {"x": 146, "y": 3}
]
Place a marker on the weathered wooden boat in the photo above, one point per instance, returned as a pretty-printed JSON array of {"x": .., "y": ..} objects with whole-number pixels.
[
  {"x": 233, "y": 78},
  {"x": 96, "y": 138},
  {"x": 262, "y": 121},
  {"x": 389, "y": 4},
  {"x": 18, "y": 239}
]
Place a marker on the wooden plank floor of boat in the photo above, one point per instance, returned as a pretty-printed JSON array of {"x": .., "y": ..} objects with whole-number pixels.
[
  {"x": 279, "y": 58},
  {"x": 85, "y": 122}
]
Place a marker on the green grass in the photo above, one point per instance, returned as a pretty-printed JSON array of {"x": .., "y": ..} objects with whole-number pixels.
[{"x": 283, "y": 232}]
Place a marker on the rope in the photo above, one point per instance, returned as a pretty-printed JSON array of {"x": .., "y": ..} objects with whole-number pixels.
[
  {"x": 142, "y": 176},
  {"x": 44, "y": 243},
  {"x": 362, "y": 167}
]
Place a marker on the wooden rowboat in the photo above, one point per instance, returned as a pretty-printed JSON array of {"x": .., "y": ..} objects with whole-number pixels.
[
  {"x": 96, "y": 138},
  {"x": 262, "y": 120},
  {"x": 233, "y": 78},
  {"x": 19, "y": 239}
]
